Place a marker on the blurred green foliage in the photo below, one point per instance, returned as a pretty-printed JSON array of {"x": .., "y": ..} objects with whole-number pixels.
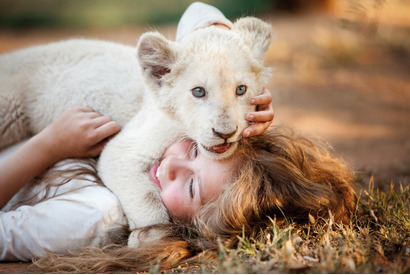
[{"x": 86, "y": 13}]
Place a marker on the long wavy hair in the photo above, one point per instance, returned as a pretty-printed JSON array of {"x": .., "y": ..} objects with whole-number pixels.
[{"x": 280, "y": 175}]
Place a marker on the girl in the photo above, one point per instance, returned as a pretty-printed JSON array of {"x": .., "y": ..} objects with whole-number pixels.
[{"x": 275, "y": 175}]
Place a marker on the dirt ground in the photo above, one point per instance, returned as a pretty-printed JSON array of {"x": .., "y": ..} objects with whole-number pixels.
[{"x": 348, "y": 87}]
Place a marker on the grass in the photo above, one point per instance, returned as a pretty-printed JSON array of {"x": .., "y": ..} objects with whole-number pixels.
[{"x": 376, "y": 241}]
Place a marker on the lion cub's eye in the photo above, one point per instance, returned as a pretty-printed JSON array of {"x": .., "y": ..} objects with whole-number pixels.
[
  {"x": 241, "y": 89},
  {"x": 198, "y": 92}
]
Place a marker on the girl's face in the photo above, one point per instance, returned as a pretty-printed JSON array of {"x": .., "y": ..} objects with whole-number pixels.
[{"x": 187, "y": 179}]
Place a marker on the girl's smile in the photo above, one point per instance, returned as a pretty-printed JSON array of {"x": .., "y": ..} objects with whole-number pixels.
[{"x": 154, "y": 174}]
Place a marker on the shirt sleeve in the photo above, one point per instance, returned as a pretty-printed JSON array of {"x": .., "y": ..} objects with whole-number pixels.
[
  {"x": 86, "y": 216},
  {"x": 199, "y": 15}
]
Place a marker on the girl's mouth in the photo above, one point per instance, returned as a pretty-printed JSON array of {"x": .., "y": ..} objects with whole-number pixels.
[{"x": 154, "y": 173}]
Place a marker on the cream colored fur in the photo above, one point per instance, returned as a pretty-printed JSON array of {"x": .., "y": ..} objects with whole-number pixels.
[{"x": 154, "y": 90}]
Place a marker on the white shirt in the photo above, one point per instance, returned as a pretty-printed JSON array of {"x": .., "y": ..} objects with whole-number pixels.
[{"x": 77, "y": 214}]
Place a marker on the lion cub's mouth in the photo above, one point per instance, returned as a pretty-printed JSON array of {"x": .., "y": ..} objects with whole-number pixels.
[{"x": 218, "y": 149}]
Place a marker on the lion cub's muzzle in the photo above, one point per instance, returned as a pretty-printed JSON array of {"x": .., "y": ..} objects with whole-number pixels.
[{"x": 222, "y": 147}]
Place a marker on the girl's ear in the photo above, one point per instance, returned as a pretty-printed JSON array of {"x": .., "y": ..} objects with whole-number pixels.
[
  {"x": 156, "y": 56},
  {"x": 255, "y": 33}
]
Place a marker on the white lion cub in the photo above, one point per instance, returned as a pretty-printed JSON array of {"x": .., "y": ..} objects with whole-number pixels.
[{"x": 198, "y": 88}]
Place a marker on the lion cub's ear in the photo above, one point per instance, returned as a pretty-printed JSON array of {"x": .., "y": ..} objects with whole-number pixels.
[
  {"x": 156, "y": 56},
  {"x": 256, "y": 34}
]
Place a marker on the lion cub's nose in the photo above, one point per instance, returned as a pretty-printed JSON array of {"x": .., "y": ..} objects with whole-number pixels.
[{"x": 223, "y": 135}]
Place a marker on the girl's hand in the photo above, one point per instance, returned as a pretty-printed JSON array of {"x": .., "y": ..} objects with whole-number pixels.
[
  {"x": 79, "y": 132},
  {"x": 263, "y": 115}
]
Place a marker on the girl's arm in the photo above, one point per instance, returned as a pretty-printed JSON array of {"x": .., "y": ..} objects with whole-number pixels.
[
  {"x": 78, "y": 132},
  {"x": 81, "y": 213},
  {"x": 263, "y": 115}
]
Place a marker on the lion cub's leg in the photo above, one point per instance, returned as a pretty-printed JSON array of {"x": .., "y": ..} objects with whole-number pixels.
[
  {"x": 124, "y": 167},
  {"x": 14, "y": 125}
]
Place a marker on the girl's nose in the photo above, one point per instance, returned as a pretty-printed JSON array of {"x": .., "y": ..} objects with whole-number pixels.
[{"x": 175, "y": 168}]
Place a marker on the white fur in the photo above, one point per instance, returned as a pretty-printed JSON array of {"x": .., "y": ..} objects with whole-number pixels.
[{"x": 154, "y": 90}]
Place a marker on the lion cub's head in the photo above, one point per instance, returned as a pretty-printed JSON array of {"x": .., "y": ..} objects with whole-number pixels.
[{"x": 206, "y": 80}]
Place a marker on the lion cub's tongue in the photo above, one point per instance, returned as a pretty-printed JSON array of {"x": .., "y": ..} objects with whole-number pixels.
[{"x": 221, "y": 148}]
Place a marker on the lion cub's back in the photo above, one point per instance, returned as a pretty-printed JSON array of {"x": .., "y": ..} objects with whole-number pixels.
[{"x": 50, "y": 78}]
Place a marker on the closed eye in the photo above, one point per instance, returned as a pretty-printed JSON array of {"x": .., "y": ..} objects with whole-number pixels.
[
  {"x": 193, "y": 153},
  {"x": 191, "y": 189}
]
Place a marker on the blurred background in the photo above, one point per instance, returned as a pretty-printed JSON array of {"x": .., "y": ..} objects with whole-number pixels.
[
  {"x": 86, "y": 13},
  {"x": 341, "y": 67}
]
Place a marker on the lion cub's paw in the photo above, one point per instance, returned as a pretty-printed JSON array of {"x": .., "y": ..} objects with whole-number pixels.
[{"x": 140, "y": 237}]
